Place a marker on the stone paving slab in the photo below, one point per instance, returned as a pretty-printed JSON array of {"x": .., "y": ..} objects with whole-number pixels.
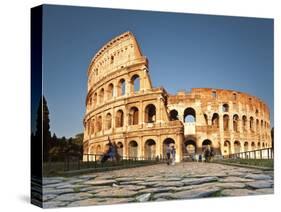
[{"x": 156, "y": 183}]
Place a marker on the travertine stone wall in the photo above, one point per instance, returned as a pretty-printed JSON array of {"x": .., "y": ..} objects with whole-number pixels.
[{"x": 122, "y": 104}]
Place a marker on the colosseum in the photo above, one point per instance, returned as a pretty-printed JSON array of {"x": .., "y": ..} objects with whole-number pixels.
[{"x": 122, "y": 104}]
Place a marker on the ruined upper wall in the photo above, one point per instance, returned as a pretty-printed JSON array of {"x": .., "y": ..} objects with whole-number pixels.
[
  {"x": 208, "y": 95},
  {"x": 118, "y": 53}
]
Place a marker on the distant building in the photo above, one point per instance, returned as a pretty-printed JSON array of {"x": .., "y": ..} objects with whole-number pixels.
[{"x": 122, "y": 104}]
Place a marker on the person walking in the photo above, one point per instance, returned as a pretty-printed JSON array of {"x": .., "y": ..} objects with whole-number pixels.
[
  {"x": 173, "y": 153},
  {"x": 168, "y": 154}
]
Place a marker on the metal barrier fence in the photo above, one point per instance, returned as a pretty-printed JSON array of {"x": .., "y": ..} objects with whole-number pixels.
[
  {"x": 266, "y": 153},
  {"x": 95, "y": 161}
]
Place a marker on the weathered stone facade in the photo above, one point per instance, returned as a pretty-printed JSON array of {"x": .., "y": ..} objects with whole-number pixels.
[{"x": 122, "y": 104}]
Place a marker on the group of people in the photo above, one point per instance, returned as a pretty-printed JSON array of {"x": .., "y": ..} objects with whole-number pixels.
[
  {"x": 206, "y": 156},
  {"x": 171, "y": 154}
]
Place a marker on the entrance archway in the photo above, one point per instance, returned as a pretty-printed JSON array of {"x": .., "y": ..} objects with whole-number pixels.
[
  {"x": 150, "y": 149},
  {"x": 166, "y": 142},
  {"x": 237, "y": 147},
  {"x": 227, "y": 148},
  {"x": 133, "y": 149},
  {"x": 206, "y": 144},
  {"x": 120, "y": 149},
  {"x": 189, "y": 147}
]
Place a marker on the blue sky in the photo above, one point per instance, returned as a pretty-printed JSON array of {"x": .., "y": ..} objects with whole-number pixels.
[{"x": 184, "y": 51}]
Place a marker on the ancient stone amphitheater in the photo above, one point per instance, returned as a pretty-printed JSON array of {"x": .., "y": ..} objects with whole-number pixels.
[{"x": 122, "y": 104}]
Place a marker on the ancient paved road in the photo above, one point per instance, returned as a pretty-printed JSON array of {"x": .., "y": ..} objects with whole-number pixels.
[{"x": 156, "y": 183}]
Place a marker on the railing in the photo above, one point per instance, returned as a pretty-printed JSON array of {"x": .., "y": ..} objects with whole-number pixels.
[{"x": 266, "y": 153}]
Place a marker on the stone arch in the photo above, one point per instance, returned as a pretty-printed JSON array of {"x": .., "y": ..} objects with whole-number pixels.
[
  {"x": 227, "y": 147},
  {"x": 251, "y": 123},
  {"x": 134, "y": 116},
  {"x": 92, "y": 150},
  {"x": 257, "y": 125},
  {"x": 133, "y": 149},
  {"x": 190, "y": 147},
  {"x": 174, "y": 115},
  {"x": 119, "y": 119},
  {"x": 207, "y": 143},
  {"x": 206, "y": 119},
  {"x": 259, "y": 145},
  {"x": 237, "y": 146},
  {"x": 120, "y": 148},
  {"x": 95, "y": 99},
  {"x": 99, "y": 123},
  {"x": 150, "y": 149},
  {"x": 98, "y": 150},
  {"x": 121, "y": 87},
  {"x": 92, "y": 131},
  {"x": 189, "y": 115},
  {"x": 135, "y": 83},
  {"x": 246, "y": 146},
  {"x": 150, "y": 113},
  {"x": 225, "y": 108},
  {"x": 101, "y": 96},
  {"x": 110, "y": 91},
  {"x": 263, "y": 145},
  {"x": 244, "y": 121},
  {"x": 166, "y": 142},
  {"x": 253, "y": 146},
  {"x": 108, "y": 121},
  {"x": 225, "y": 122},
  {"x": 215, "y": 120},
  {"x": 235, "y": 122}
]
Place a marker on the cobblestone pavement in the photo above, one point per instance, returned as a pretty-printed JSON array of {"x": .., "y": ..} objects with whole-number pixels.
[{"x": 156, "y": 183}]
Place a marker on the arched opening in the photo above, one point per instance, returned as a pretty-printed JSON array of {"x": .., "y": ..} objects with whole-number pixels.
[
  {"x": 237, "y": 147},
  {"x": 234, "y": 96},
  {"x": 119, "y": 120},
  {"x": 189, "y": 115},
  {"x": 206, "y": 144},
  {"x": 121, "y": 87},
  {"x": 206, "y": 119},
  {"x": 101, "y": 96},
  {"x": 174, "y": 115},
  {"x": 251, "y": 123},
  {"x": 167, "y": 142},
  {"x": 120, "y": 148},
  {"x": 214, "y": 94},
  {"x": 150, "y": 149},
  {"x": 263, "y": 145},
  {"x": 253, "y": 146},
  {"x": 135, "y": 80},
  {"x": 235, "y": 123},
  {"x": 244, "y": 120},
  {"x": 92, "y": 126},
  {"x": 215, "y": 120},
  {"x": 92, "y": 150},
  {"x": 150, "y": 113},
  {"x": 227, "y": 147},
  {"x": 98, "y": 150},
  {"x": 246, "y": 146},
  {"x": 108, "y": 121},
  {"x": 99, "y": 124},
  {"x": 133, "y": 149},
  {"x": 226, "y": 122},
  {"x": 134, "y": 116},
  {"x": 95, "y": 99},
  {"x": 190, "y": 147},
  {"x": 257, "y": 125},
  {"x": 257, "y": 112},
  {"x": 110, "y": 91},
  {"x": 225, "y": 108},
  {"x": 259, "y": 145}
]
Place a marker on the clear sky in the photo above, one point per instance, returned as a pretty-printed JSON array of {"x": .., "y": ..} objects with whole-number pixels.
[{"x": 184, "y": 50}]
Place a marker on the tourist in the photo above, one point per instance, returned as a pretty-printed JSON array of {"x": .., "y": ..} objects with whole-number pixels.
[
  {"x": 168, "y": 154},
  {"x": 173, "y": 153}
]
